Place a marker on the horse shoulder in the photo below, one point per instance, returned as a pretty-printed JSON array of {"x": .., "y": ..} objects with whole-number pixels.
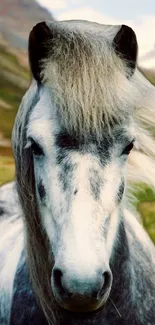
[
  {"x": 142, "y": 258},
  {"x": 25, "y": 309},
  {"x": 11, "y": 243}
]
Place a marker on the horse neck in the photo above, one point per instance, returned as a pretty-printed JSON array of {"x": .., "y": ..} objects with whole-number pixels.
[
  {"x": 122, "y": 270},
  {"x": 120, "y": 254}
]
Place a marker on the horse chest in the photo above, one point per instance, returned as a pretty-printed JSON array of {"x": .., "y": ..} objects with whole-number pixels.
[
  {"x": 24, "y": 306},
  {"x": 26, "y": 311}
]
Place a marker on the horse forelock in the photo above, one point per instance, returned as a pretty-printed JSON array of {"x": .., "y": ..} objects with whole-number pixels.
[{"x": 87, "y": 78}]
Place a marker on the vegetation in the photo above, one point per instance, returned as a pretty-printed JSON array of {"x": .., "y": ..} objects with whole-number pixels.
[
  {"x": 14, "y": 78},
  {"x": 145, "y": 204},
  {"x": 7, "y": 169}
]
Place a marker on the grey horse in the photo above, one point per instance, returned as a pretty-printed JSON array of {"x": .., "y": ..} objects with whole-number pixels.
[{"x": 72, "y": 251}]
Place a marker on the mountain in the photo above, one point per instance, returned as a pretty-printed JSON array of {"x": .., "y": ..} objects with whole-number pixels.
[
  {"x": 17, "y": 17},
  {"x": 148, "y": 59},
  {"x": 149, "y": 74}
]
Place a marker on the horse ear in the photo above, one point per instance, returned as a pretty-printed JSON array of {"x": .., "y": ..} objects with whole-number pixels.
[
  {"x": 125, "y": 44},
  {"x": 38, "y": 49}
]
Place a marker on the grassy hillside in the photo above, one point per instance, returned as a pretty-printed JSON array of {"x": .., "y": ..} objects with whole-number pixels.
[
  {"x": 145, "y": 204},
  {"x": 14, "y": 80},
  {"x": 149, "y": 74}
]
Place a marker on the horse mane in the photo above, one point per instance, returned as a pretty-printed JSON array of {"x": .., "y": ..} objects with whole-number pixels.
[
  {"x": 141, "y": 162},
  {"x": 82, "y": 70},
  {"x": 89, "y": 84},
  {"x": 91, "y": 87}
]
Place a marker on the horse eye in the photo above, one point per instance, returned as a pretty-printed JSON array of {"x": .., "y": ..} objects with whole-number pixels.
[
  {"x": 128, "y": 148},
  {"x": 37, "y": 151}
]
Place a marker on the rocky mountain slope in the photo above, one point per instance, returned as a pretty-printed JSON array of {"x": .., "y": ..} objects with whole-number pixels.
[{"x": 17, "y": 17}]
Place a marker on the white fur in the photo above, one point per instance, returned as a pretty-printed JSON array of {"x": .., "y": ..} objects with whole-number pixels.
[
  {"x": 141, "y": 235},
  {"x": 11, "y": 245},
  {"x": 85, "y": 217}
]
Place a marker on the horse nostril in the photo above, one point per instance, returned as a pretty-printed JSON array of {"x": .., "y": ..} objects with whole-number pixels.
[
  {"x": 66, "y": 286},
  {"x": 57, "y": 274},
  {"x": 106, "y": 283},
  {"x": 57, "y": 277},
  {"x": 95, "y": 293}
]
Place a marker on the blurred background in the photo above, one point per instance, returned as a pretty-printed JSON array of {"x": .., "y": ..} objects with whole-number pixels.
[{"x": 17, "y": 17}]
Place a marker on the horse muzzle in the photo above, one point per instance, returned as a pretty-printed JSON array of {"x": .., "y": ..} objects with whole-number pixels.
[{"x": 78, "y": 293}]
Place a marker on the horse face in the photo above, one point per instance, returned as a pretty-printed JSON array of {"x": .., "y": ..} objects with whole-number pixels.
[{"x": 79, "y": 187}]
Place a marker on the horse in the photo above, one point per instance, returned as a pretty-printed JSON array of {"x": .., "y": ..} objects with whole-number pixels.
[{"x": 72, "y": 249}]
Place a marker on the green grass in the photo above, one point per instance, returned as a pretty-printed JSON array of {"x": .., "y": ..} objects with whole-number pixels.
[
  {"x": 11, "y": 91},
  {"x": 143, "y": 193},
  {"x": 10, "y": 63},
  {"x": 7, "y": 169},
  {"x": 144, "y": 201},
  {"x": 149, "y": 74},
  {"x": 147, "y": 211},
  {"x": 6, "y": 121}
]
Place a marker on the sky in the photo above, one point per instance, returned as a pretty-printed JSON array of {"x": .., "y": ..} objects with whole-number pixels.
[{"x": 138, "y": 14}]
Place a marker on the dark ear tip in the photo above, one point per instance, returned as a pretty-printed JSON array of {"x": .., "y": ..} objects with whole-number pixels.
[
  {"x": 125, "y": 34},
  {"x": 35, "y": 29},
  {"x": 125, "y": 44},
  {"x": 39, "y": 31},
  {"x": 127, "y": 28},
  {"x": 38, "y": 37},
  {"x": 129, "y": 34}
]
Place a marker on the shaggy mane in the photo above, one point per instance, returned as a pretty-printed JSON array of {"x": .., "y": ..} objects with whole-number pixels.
[
  {"x": 89, "y": 84},
  {"x": 82, "y": 71}
]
